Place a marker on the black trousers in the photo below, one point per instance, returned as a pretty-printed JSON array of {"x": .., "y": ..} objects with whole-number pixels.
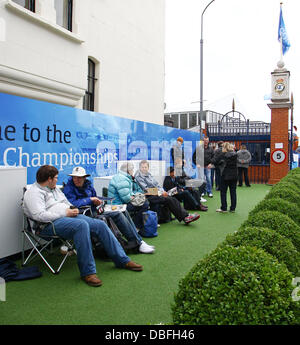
[
  {"x": 136, "y": 213},
  {"x": 231, "y": 184},
  {"x": 156, "y": 202},
  {"x": 217, "y": 178},
  {"x": 189, "y": 202},
  {"x": 241, "y": 172}
]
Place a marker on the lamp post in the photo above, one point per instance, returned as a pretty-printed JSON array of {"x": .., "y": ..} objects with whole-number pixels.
[
  {"x": 201, "y": 69},
  {"x": 292, "y": 139}
]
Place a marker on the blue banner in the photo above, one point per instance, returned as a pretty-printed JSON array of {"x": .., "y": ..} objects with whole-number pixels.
[{"x": 34, "y": 133}]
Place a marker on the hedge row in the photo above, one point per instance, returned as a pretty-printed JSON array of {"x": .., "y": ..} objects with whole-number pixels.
[{"x": 247, "y": 279}]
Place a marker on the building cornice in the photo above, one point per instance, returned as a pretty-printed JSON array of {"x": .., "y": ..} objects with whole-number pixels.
[{"x": 25, "y": 84}]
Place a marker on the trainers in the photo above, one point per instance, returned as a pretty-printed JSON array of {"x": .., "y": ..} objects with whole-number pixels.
[
  {"x": 203, "y": 200},
  {"x": 132, "y": 266},
  {"x": 203, "y": 208},
  {"x": 232, "y": 211},
  {"x": 210, "y": 195},
  {"x": 150, "y": 245},
  {"x": 191, "y": 218},
  {"x": 145, "y": 248},
  {"x": 220, "y": 211},
  {"x": 92, "y": 280}
]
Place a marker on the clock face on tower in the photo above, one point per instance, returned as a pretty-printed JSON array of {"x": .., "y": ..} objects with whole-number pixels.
[{"x": 279, "y": 87}]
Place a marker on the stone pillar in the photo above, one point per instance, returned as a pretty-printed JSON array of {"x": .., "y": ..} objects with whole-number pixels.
[{"x": 279, "y": 146}]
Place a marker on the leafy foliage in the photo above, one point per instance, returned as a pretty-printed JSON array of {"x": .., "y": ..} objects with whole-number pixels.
[
  {"x": 280, "y": 205},
  {"x": 271, "y": 242},
  {"x": 236, "y": 286},
  {"x": 277, "y": 221}
]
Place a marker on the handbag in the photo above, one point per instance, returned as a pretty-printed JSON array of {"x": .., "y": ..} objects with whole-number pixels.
[{"x": 138, "y": 199}]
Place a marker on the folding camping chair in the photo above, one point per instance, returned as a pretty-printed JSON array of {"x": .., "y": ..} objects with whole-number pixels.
[{"x": 40, "y": 244}]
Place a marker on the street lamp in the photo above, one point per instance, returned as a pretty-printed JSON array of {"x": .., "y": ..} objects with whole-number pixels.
[{"x": 201, "y": 69}]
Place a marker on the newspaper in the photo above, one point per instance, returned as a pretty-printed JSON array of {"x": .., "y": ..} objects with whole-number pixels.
[{"x": 152, "y": 191}]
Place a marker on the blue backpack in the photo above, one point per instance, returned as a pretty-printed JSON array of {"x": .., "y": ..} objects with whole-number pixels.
[{"x": 150, "y": 224}]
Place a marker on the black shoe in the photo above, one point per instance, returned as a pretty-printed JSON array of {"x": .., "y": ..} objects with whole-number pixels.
[{"x": 248, "y": 185}]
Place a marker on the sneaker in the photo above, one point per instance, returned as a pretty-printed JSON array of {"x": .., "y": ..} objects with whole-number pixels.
[
  {"x": 150, "y": 245},
  {"x": 145, "y": 248},
  {"x": 203, "y": 200},
  {"x": 210, "y": 195},
  {"x": 232, "y": 211},
  {"x": 203, "y": 208},
  {"x": 191, "y": 218},
  {"x": 220, "y": 210}
]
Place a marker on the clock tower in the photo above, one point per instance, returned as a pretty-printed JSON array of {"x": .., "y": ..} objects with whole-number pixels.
[{"x": 279, "y": 146}]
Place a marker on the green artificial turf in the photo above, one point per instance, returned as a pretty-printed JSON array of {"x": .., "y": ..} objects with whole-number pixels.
[{"x": 126, "y": 298}]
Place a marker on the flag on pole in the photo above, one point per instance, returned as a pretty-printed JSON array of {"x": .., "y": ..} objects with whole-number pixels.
[{"x": 282, "y": 34}]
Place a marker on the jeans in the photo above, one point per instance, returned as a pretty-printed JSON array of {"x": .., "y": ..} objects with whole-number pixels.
[
  {"x": 223, "y": 192},
  {"x": 212, "y": 177},
  {"x": 79, "y": 229},
  {"x": 126, "y": 225},
  {"x": 207, "y": 174}
]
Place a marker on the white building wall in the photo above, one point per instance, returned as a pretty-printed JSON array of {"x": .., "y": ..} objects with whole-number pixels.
[{"x": 41, "y": 60}]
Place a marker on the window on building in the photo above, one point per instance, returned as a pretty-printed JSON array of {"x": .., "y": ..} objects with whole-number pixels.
[
  {"x": 89, "y": 98},
  {"x": 174, "y": 118},
  {"x": 260, "y": 152},
  {"x": 192, "y": 120},
  {"x": 29, "y": 4},
  {"x": 64, "y": 9},
  {"x": 183, "y": 121},
  {"x": 168, "y": 121}
]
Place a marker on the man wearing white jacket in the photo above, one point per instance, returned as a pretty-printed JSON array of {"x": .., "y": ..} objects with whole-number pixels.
[{"x": 44, "y": 202}]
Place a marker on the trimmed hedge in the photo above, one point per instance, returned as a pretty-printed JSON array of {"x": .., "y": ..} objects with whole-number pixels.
[
  {"x": 280, "y": 205},
  {"x": 270, "y": 241},
  {"x": 287, "y": 184},
  {"x": 236, "y": 286},
  {"x": 283, "y": 192},
  {"x": 295, "y": 179},
  {"x": 293, "y": 172},
  {"x": 277, "y": 221}
]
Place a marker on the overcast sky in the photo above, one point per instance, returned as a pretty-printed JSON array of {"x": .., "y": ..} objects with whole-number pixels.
[{"x": 240, "y": 52}]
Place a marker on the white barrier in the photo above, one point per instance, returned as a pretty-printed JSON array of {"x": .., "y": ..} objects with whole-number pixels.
[{"x": 12, "y": 182}]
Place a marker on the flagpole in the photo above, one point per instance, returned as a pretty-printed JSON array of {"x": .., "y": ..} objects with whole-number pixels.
[
  {"x": 292, "y": 139},
  {"x": 281, "y": 47}
]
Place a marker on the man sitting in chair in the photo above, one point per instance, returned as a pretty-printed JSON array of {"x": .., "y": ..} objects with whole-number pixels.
[
  {"x": 45, "y": 202},
  {"x": 80, "y": 192}
]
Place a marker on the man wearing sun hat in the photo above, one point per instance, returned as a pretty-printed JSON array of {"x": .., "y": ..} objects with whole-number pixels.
[{"x": 80, "y": 192}]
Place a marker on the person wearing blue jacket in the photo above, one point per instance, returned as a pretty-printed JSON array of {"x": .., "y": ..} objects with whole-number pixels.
[
  {"x": 80, "y": 192},
  {"x": 123, "y": 188}
]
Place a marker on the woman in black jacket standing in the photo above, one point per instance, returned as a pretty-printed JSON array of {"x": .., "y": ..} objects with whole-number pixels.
[{"x": 227, "y": 162}]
